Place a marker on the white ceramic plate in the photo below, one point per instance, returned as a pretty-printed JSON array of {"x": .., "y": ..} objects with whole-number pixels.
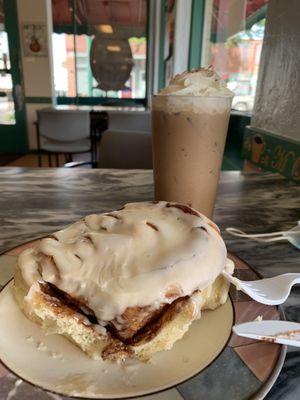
[{"x": 54, "y": 364}]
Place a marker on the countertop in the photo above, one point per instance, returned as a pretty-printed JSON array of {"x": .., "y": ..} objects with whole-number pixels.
[{"x": 36, "y": 202}]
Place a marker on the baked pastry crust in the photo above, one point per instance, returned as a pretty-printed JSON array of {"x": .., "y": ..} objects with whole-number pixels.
[{"x": 56, "y": 316}]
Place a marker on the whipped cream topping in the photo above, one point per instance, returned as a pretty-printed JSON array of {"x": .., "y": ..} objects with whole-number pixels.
[
  {"x": 197, "y": 82},
  {"x": 132, "y": 257}
]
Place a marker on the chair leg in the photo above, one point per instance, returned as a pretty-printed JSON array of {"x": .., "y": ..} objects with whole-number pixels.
[
  {"x": 57, "y": 159},
  {"x": 94, "y": 153},
  {"x": 49, "y": 160},
  {"x": 92, "y": 158},
  {"x": 39, "y": 159},
  {"x": 38, "y": 144},
  {"x": 94, "y": 149}
]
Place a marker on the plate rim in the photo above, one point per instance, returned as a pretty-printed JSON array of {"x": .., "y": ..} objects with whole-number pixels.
[
  {"x": 266, "y": 386},
  {"x": 258, "y": 395},
  {"x": 261, "y": 393}
]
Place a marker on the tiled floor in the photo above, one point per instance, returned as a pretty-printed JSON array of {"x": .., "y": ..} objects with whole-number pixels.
[
  {"x": 31, "y": 160},
  {"x": 6, "y": 159}
]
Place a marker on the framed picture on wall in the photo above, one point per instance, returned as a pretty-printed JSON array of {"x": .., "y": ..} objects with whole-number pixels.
[{"x": 34, "y": 37}]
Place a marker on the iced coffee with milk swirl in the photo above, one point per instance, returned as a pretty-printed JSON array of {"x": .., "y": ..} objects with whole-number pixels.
[{"x": 189, "y": 123}]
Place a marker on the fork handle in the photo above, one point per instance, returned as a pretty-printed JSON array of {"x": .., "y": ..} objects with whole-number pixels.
[
  {"x": 238, "y": 232},
  {"x": 232, "y": 279},
  {"x": 296, "y": 279},
  {"x": 295, "y": 276}
]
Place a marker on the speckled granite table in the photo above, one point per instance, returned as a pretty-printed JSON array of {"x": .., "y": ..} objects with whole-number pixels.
[{"x": 35, "y": 202}]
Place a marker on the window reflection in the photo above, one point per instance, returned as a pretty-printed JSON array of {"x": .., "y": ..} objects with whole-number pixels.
[
  {"x": 100, "y": 48},
  {"x": 237, "y": 31},
  {"x": 7, "y": 106}
]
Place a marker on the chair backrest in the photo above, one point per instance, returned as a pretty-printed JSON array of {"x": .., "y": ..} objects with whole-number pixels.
[
  {"x": 64, "y": 125},
  {"x": 125, "y": 149},
  {"x": 131, "y": 121}
]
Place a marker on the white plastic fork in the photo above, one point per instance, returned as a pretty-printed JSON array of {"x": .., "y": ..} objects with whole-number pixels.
[{"x": 270, "y": 291}]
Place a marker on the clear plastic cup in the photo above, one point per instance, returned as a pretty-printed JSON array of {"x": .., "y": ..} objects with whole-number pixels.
[{"x": 189, "y": 135}]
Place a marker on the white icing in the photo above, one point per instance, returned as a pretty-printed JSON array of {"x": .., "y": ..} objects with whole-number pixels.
[{"x": 113, "y": 264}]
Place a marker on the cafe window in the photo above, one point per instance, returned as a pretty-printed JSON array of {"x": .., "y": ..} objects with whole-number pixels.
[
  {"x": 7, "y": 107},
  {"x": 237, "y": 31},
  {"x": 100, "y": 51}
]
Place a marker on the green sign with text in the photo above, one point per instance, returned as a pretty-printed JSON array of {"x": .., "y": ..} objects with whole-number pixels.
[{"x": 273, "y": 153}]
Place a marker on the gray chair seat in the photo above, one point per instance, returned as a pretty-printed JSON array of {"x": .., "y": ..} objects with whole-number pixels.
[
  {"x": 139, "y": 121},
  {"x": 79, "y": 146},
  {"x": 125, "y": 149}
]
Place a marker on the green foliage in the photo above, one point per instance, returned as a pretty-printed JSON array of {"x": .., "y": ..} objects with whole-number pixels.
[
  {"x": 256, "y": 32},
  {"x": 137, "y": 40}
]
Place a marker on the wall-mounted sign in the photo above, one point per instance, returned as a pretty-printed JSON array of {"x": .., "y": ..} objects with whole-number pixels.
[
  {"x": 35, "y": 43},
  {"x": 273, "y": 153}
]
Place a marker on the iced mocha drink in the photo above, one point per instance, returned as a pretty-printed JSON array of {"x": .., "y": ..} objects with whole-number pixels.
[{"x": 189, "y": 123}]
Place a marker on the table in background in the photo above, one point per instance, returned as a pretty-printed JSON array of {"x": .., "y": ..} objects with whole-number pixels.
[{"x": 35, "y": 202}]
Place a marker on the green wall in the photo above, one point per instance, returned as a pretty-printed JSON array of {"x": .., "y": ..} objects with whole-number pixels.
[{"x": 196, "y": 33}]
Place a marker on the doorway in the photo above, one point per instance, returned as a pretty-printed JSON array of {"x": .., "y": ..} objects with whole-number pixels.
[{"x": 13, "y": 135}]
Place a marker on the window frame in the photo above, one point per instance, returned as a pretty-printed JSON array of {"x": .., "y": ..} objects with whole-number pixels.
[{"x": 98, "y": 101}]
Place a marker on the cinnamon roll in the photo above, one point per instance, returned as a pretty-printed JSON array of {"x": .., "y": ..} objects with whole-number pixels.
[{"x": 128, "y": 283}]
